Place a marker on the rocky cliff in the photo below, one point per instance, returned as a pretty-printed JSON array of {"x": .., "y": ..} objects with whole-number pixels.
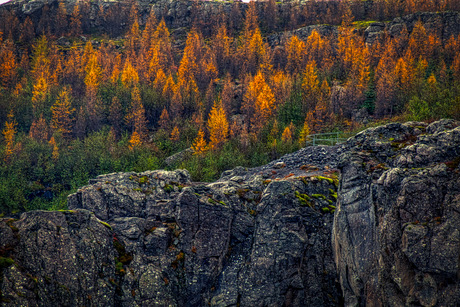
[
  {"x": 396, "y": 231},
  {"x": 183, "y": 13},
  {"x": 374, "y": 221}
]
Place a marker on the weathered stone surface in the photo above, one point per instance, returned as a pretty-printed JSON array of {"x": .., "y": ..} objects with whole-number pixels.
[
  {"x": 241, "y": 240},
  {"x": 258, "y": 236},
  {"x": 396, "y": 232},
  {"x": 60, "y": 259}
]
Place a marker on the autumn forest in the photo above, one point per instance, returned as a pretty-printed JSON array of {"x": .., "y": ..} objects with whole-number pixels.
[{"x": 78, "y": 100}]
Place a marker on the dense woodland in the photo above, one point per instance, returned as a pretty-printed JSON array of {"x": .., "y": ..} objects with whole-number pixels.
[{"x": 123, "y": 96}]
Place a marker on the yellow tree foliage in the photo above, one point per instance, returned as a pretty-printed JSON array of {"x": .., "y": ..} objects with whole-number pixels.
[
  {"x": 129, "y": 75},
  {"x": 310, "y": 87},
  {"x": 88, "y": 51},
  {"x": 312, "y": 122},
  {"x": 254, "y": 52},
  {"x": 360, "y": 67},
  {"x": 186, "y": 91},
  {"x": 221, "y": 47},
  {"x": 9, "y": 132},
  {"x": 175, "y": 134},
  {"x": 418, "y": 40},
  {"x": 258, "y": 102},
  {"x": 133, "y": 39},
  {"x": 217, "y": 126},
  {"x": 39, "y": 129},
  {"x": 287, "y": 135},
  {"x": 41, "y": 61},
  {"x": 168, "y": 88},
  {"x": 209, "y": 70},
  {"x": 159, "y": 82},
  {"x": 162, "y": 42},
  {"x": 39, "y": 95},
  {"x": 62, "y": 113},
  {"x": 135, "y": 141},
  {"x": 304, "y": 133},
  {"x": 72, "y": 65},
  {"x": 116, "y": 69},
  {"x": 148, "y": 32},
  {"x": 404, "y": 75},
  {"x": 55, "y": 153},
  {"x": 199, "y": 144},
  {"x": 319, "y": 50},
  {"x": 176, "y": 105},
  {"x": 93, "y": 76},
  {"x": 295, "y": 53},
  {"x": 7, "y": 63},
  {"x": 154, "y": 64},
  {"x": 323, "y": 114},
  {"x": 281, "y": 85},
  {"x": 188, "y": 67}
]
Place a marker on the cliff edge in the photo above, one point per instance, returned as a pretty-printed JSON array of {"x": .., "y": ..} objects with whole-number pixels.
[{"x": 374, "y": 222}]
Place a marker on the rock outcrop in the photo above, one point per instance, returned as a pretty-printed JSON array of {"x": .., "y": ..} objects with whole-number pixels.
[
  {"x": 285, "y": 234},
  {"x": 396, "y": 229},
  {"x": 181, "y": 14},
  {"x": 158, "y": 239}
]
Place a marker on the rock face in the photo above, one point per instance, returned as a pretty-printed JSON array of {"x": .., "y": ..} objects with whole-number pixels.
[
  {"x": 56, "y": 259},
  {"x": 443, "y": 24},
  {"x": 396, "y": 232},
  {"x": 181, "y": 14},
  {"x": 269, "y": 236},
  {"x": 166, "y": 241}
]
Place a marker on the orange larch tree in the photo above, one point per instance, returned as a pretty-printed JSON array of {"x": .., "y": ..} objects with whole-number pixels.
[
  {"x": 319, "y": 50},
  {"x": 135, "y": 141},
  {"x": 217, "y": 126},
  {"x": 93, "y": 76},
  {"x": 175, "y": 134},
  {"x": 281, "y": 84},
  {"x": 221, "y": 46},
  {"x": 288, "y": 134},
  {"x": 199, "y": 144},
  {"x": 258, "y": 103},
  {"x": 62, "y": 111},
  {"x": 310, "y": 87},
  {"x": 8, "y": 64},
  {"x": 295, "y": 53},
  {"x": 129, "y": 75},
  {"x": 39, "y": 96}
]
